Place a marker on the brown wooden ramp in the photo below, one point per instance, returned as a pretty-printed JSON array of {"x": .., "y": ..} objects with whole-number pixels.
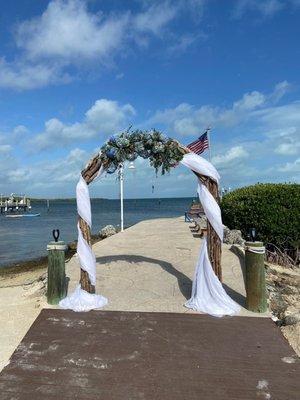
[{"x": 132, "y": 355}]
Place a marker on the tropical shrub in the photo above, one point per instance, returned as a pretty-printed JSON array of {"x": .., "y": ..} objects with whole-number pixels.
[{"x": 272, "y": 209}]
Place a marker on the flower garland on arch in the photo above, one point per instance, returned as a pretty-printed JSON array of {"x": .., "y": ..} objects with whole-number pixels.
[{"x": 164, "y": 153}]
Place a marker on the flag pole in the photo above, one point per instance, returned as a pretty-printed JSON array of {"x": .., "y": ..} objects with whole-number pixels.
[{"x": 209, "y": 142}]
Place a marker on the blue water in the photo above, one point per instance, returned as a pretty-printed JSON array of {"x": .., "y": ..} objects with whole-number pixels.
[{"x": 26, "y": 238}]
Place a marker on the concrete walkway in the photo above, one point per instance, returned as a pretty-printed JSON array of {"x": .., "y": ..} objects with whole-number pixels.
[{"x": 150, "y": 267}]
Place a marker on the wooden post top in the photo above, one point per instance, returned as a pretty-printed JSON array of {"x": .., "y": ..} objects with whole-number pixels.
[
  {"x": 253, "y": 244},
  {"x": 57, "y": 246}
]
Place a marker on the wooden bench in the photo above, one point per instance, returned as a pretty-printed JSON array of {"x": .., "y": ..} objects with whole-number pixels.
[
  {"x": 195, "y": 211},
  {"x": 200, "y": 227}
]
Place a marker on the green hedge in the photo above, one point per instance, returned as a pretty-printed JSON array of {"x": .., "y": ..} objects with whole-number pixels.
[{"x": 273, "y": 209}]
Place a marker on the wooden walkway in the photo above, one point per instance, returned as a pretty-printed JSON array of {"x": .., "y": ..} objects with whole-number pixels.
[{"x": 111, "y": 355}]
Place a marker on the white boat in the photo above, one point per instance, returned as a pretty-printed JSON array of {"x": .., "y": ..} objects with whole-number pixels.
[{"x": 22, "y": 215}]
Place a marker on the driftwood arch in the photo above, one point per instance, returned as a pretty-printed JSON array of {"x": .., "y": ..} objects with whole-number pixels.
[{"x": 125, "y": 145}]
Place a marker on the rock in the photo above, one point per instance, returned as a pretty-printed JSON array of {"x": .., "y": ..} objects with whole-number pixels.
[
  {"x": 107, "y": 231},
  {"x": 283, "y": 285},
  {"x": 292, "y": 334},
  {"x": 73, "y": 245},
  {"x": 233, "y": 236},
  {"x": 291, "y": 319}
]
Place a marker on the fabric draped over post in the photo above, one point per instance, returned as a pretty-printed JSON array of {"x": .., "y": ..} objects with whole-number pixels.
[
  {"x": 208, "y": 294},
  {"x": 80, "y": 300}
]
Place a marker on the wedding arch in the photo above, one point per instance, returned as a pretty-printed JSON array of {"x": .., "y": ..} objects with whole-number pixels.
[{"x": 208, "y": 294}]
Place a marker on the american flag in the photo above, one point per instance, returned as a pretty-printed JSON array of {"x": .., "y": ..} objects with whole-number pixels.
[{"x": 199, "y": 145}]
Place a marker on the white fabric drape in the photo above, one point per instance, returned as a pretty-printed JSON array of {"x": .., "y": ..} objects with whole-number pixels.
[
  {"x": 208, "y": 294},
  {"x": 209, "y": 204},
  {"x": 80, "y": 300},
  {"x": 211, "y": 209},
  {"x": 199, "y": 164},
  {"x": 86, "y": 256}
]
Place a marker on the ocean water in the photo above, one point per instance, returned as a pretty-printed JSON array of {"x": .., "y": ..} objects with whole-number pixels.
[{"x": 23, "y": 239}]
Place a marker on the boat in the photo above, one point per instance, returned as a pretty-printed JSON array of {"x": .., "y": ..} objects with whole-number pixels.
[{"x": 22, "y": 215}]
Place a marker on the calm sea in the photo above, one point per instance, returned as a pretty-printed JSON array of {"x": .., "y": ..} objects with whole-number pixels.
[{"x": 26, "y": 238}]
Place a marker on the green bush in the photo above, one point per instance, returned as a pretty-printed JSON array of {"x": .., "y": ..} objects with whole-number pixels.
[{"x": 273, "y": 209}]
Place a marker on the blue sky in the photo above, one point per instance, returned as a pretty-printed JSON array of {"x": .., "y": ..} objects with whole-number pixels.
[{"x": 74, "y": 72}]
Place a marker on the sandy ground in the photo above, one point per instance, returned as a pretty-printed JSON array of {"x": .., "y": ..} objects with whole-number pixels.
[
  {"x": 21, "y": 299},
  {"x": 149, "y": 267}
]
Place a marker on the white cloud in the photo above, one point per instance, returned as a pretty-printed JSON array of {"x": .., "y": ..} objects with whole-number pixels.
[
  {"x": 68, "y": 35},
  {"x": 282, "y": 117},
  {"x": 266, "y": 8},
  {"x": 187, "y": 120},
  {"x": 155, "y": 18},
  {"x": 104, "y": 118},
  {"x": 288, "y": 140},
  {"x": 232, "y": 156},
  {"x": 291, "y": 167},
  {"x": 255, "y": 108},
  {"x": 20, "y": 130},
  {"x": 254, "y": 125},
  {"x": 250, "y": 101},
  {"x": 263, "y": 8},
  {"x": 43, "y": 174},
  {"x": 69, "y": 32},
  {"x": 280, "y": 90},
  {"x": 288, "y": 149},
  {"x": 19, "y": 175},
  {"x": 5, "y": 148},
  {"x": 281, "y": 125},
  {"x": 183, "y": 43},
  {"x": 22, "y": 75}
]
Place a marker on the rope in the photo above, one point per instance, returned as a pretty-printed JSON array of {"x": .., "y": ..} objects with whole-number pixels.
[{"x": 256, "y": 250}]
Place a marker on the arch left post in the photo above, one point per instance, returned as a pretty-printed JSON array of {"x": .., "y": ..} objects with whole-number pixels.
[
  {"x": 88, "y": 174},
  {"x": 85, "y": 282}
]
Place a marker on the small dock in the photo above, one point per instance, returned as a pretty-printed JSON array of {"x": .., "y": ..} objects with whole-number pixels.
[
  {"x": 113, "y": 355},
  {"x": 14, "y": 203}
]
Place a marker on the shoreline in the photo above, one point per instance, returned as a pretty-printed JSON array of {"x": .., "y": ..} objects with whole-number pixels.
[
  {"x": 39, "y": 263},
  {"x": 68, "y": 199}
]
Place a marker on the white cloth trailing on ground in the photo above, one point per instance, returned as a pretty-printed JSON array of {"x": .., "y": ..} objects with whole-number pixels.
[
  {"x": 80, "y": 300},
  {"x": 208, "y": 294}
]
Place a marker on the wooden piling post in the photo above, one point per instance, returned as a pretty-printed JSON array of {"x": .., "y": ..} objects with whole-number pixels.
[
  {"x": 56, "y": 285},
  {"x": 256, "y": 300}
]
